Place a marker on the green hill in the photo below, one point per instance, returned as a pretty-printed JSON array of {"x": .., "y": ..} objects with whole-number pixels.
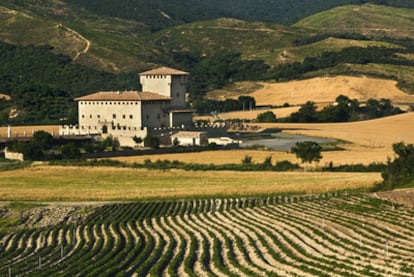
[
  {"x": 160, "y": 14},
  {"x": 369, "y": 20},
  {"x": 75, "y": 37},
  {"x": 100, "y": 42}
]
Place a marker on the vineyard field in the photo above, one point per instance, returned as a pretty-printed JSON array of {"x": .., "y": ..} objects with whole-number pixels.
[{"x": 333, "y": 234}]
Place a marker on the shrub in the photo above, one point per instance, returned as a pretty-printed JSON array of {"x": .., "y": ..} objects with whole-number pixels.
[
  {"x": 266, "y": 117},
  {"x": 70, "y": 151},
  {"x": 285, "y": 166},
  {"x": 152, "y": 142},
  {"x": 247, "y": 160}
]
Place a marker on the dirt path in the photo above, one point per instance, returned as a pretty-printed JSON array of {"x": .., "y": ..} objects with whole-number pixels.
[{"x": 87, "y": 42}]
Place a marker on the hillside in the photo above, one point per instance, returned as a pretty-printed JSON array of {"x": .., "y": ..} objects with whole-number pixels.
[
  {"x": 163, "y": 13},
  {"x": 103, "y": 43},
  {"x": 319, "y": 90},
  {"x": 368, "y": 20},
  {"x": 326, "y": 89},
  {"x": 216, "y": 51}
]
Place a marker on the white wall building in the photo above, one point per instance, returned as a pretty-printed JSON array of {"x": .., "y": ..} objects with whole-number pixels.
[{"x": 160, "y": 104}]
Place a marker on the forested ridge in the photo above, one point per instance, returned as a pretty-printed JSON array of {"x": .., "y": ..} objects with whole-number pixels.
[{"x": 162, "y": 13}]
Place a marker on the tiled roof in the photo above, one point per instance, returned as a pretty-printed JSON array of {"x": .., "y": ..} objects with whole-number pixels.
[
  {"x": 187, "y": 134},
  {"x": 164, "y": 71},
  {"x": 122, "y": 96}
]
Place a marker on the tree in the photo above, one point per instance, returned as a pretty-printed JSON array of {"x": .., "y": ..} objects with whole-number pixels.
[
  {"x": 266, "y": 117},
  {"x": 400, "y": 171},
  {"x": 42, "y": 139},
  {"x": 307, "y": 113},
  {"x": 307, "y": 151},
  {"x": 70, "y": 151},
  {"x": 152, "y": 142}
]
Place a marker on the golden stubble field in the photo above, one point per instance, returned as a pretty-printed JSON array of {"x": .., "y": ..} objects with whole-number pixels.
[
  {"x": 326, "y": 89},
  {"x": 55, "y": 183},
  {"x": 321, "y": 90},
  {"x": 364, "y": 142}
]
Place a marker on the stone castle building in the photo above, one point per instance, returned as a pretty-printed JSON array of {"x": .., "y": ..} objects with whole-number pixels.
[{"x": 124, "y": 114}]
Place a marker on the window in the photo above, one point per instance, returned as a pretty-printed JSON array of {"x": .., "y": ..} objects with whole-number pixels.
[
  {"x": 123, "y": 116},
  {"x": 99, "y": 116},
  {"x": 83, "y": 116},
  {"x": 131, "y": 116},
  {"x": 90, "y": 116},
  {"x": 114, "y": 116}
]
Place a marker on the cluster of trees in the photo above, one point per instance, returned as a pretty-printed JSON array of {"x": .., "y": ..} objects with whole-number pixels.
[
  {"x": 43, "y": 146},
  {"x": 344, "y": 110},
  {"x": 206, "y": 106},
  {"x": 400, "y": 171},
  {"x": 216, "y": 71}
]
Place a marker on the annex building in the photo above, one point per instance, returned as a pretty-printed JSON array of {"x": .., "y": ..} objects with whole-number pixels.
[{"x": 161, "y": 105}]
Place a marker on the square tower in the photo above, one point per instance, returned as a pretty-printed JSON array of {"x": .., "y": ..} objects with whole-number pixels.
[{"x": 168, "y": 82}]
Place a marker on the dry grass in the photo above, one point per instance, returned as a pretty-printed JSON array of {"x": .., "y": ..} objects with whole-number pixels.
[
  {"x": 319, "y": 90},
  {"x": 47, "y": 183},
  {"x": 322, "y": 90},
  {"x": 5, "y": 96},
  {"x": 214, "y": 157},
  {"x": 366, "y": 142},
  {"x": 371, "y": 140}
]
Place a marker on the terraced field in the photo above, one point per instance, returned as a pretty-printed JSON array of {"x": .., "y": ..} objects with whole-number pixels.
[{"x": 325, "y": 235}]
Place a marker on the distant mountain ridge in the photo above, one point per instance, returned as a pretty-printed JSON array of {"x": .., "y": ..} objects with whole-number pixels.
[{"x": 164, "y": 13}]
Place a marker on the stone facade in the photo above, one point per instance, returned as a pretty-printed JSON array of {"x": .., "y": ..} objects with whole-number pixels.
[{"x": 160, "y": 104}]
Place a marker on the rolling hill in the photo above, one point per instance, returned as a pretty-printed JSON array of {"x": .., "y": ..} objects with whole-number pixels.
[
  {"x": 216, "y": 51},
  {"x": 369, "y": 20}
]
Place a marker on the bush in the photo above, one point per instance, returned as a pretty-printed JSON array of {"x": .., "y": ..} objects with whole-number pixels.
[
  {"x": 266, "y": 117},
  {"x": 70, "y": 151},
  {"x": 152, "y": 142},
  {"x": 285, "y": 166}
]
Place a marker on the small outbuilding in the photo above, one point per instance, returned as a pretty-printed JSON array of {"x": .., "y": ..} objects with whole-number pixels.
[{"x": 186, "y": 138}]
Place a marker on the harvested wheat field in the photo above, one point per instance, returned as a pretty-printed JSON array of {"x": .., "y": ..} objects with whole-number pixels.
[
  {"x": 213, "y": 157},
  {"x": 55, "y": 183},
  {"x": 364, "y": 142},
  {"x": 369, "y": 140},
  {"x": 323, "y": 90}
]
